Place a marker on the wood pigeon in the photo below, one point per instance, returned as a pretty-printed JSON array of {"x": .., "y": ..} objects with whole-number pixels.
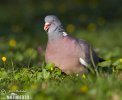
[{"x": 67, "y": 53}]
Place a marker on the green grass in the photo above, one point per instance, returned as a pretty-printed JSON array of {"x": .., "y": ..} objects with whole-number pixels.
[{"x": 25, "y": 69}]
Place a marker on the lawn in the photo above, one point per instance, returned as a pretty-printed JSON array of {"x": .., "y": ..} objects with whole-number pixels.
[{"x": 23, "y": 71}]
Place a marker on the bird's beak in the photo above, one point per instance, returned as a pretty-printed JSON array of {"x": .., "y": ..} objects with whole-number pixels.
[{"x": 46, "y": 26}]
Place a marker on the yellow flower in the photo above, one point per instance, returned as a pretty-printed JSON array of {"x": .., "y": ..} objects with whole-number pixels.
[
  {"x": 51, "y": 68},
  {"x": 14, "y": 87},
  {"x": 70, "y": 28},
  {"x": 84, "y": 76},
  {"x": 84, "y": 89},
  {"x": 12, "y": 43},
  {"x": 120, "y": 60},
  {"x": 3, "y": 59}
]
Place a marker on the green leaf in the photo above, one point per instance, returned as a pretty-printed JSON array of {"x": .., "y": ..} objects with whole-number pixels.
[
  {"x": 50, "y": 66},
  {"x": 105, "y": 63},
  {"x": 58, "y": 71},
  {"x": 19, "y": 56},
  {"x": 39, "y": 75},
  {"x": 46, "y": 74},
  {"x": 108, "y": 55},
  {"x": 3, "y": 74},
  {"x": 17, "y": 76},
  {"x": 119, "y": 67},
  {"x": 30, "y": 52},
  {"x": 117, "y": 62}
]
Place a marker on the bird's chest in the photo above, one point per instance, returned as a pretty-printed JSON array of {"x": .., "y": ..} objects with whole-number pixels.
[{"x": 61, "y": 52}]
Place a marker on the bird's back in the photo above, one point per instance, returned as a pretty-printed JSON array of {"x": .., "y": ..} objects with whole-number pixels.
[{"x": 88, "y": 52}]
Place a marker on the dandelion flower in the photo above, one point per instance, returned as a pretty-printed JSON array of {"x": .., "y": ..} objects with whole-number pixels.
[
  {"x": 3, "y": 59},
  {"x": 120, "y": 60},
  {"x": 14, "y": 87},
  {"x": 84, "y": 89},
  {"x": 51, "y": 68},
  {"x": 12, "y": 43}
]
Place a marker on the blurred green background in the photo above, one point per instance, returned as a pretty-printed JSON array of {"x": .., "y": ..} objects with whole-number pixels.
[
  {"x": 23, "y": 42},
  {"x": 26, "y": 17},
  {"x": 19, "y": 16}
]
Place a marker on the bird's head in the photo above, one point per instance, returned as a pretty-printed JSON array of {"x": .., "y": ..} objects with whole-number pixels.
[
  {"x": 53, "y": 27},
  {"x": 51, "y": 23}
]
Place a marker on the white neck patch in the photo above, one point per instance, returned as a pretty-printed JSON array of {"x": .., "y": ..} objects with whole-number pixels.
[{"x": 65, "y": 34}]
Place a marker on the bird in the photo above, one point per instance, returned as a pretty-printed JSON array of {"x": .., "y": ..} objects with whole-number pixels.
[{"x": 69, "y": 54}]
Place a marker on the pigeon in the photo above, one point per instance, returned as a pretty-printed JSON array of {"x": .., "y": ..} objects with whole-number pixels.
[{"x": 69, "y": 54}]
